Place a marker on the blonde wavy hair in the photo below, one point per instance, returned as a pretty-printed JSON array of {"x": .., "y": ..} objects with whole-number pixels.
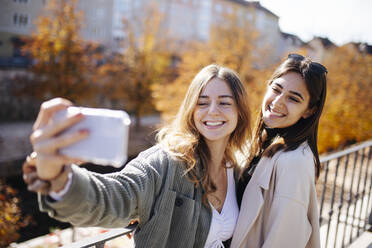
[{"x": 182, "y": 139}]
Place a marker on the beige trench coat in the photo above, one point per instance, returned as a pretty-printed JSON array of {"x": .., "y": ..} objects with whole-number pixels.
[{"x": 279, "y": 206}]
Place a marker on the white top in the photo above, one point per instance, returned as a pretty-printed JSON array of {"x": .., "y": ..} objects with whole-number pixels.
[{"x": 223, "y": 224}]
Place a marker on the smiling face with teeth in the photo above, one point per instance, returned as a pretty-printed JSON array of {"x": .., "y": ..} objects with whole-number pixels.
[
  {"x": 216, "y": 114},
  {"x": 286, "y": 101}
]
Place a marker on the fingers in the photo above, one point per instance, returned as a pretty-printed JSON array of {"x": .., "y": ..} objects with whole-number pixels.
[
  {"x": 30, "y": 177},
  {"x": 39, "y": 186},
  {"x": 53, "y": 144},
  {"x": 54, "y": 128},
  {"x": 30, "y": 163},
  {"x": 34, "y": 183},
  {"x": 48, "y": 109}
]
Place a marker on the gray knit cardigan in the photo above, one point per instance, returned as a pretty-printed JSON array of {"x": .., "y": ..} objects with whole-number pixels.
[{"x": 151, "y": 188}]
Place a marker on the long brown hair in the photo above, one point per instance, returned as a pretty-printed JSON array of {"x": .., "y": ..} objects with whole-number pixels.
[
  {"x": 266, "y": 142},
  {"x": 183, "y": 140}
]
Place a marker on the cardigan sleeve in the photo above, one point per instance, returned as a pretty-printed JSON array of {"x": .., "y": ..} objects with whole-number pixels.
[
  {"x": 111, "y": 200},
  {"x": 288, "y": 224}
]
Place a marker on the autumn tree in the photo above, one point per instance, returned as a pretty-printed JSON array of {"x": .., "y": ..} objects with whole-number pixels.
[
  {"x": 63, "y": 64},
  {"x": 11, "y": 219},
  {"x": 347, "y": 116},
  {"x": 232, "y": 43},
  {"x": 143, "y": 61}
]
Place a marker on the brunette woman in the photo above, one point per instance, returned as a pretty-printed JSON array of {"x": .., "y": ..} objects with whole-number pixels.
[{"x": 277, "y": 186}]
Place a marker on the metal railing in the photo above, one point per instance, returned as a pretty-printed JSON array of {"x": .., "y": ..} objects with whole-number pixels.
[
  {"x": 344, "y": 193},
  {"x": 100, "y": 240}
]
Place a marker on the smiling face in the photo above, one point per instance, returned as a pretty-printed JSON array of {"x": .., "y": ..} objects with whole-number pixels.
[
  {"x": 286, "y": 101},
  {"x": 216, "y": 113}
]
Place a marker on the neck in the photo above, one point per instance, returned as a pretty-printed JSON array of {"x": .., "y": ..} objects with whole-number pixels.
[{"x": 217, "y": 150}]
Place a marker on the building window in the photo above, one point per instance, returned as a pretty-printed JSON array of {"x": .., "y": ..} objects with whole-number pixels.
[{"x": 20, "y": 19}]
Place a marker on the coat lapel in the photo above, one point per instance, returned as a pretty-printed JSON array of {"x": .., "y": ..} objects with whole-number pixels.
[{"x": 253, "y": 200}]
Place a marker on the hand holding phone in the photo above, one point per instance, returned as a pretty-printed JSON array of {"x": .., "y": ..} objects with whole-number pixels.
[{"x": 107, "y": 143}]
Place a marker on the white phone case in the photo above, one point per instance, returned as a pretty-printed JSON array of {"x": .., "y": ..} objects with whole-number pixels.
[{"x": 107, "y": 143}]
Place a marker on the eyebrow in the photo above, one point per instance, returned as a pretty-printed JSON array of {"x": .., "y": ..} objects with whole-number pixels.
[
  {"x": 221, "y": 96},
  {"x": 292, "y": 92}
]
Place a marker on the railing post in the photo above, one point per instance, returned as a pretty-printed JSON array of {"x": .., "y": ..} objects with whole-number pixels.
[
  {"x": 323, "y": 193},
  {"x": 330, "y": 213},
  {"x": 364, "y": 154},
  {"x": 370, "y": 187},
  {"x": 349, "y": 200},
  {"x": 73, "y": 235},
  {"x": 342, "y": 196},
  {"x": 357, "y": 195}
]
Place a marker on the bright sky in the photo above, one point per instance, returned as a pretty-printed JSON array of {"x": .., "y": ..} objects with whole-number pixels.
[{"x": 341, "y": 21}]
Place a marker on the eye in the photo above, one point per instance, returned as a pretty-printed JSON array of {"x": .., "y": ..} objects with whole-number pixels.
[
  {"x": 294, "y": 99},
  {"x": 202, "y": 103},
  {"x": 276, "y": 90},
  {"x": 226, "y": 103}
]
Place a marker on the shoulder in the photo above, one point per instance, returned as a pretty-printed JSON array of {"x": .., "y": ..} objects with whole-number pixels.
[
  {"x": 155, "y": 157},
  {"x": 299, "y": 162},
  {"x": 295, "y": 174},
  {"x": 153, "y": 153},
  {"x": 301, "y": 158}
]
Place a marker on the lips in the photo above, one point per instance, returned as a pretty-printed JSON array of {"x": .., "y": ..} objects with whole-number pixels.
[{"x": 275, "y": 112}]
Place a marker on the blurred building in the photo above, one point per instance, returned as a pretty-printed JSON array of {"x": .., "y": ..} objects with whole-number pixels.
[
  {"x": 361, "y": 47},
  {"x": 265, "y": 22},
  {"x": 17, "y": 19},
  {"x": 319, "y": 47},
  {"x": 191, "y": 20},
  {"x": 98, "y": 20},
  {"x": 184, "y": 20},
  {"x": 290, "y": 43}
]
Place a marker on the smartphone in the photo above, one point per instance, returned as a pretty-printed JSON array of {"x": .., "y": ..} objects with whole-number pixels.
[{"x": 107, "y": 142}]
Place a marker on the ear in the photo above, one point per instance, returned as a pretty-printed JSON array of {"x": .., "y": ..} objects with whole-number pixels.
[{"x": 309, "y": 112}]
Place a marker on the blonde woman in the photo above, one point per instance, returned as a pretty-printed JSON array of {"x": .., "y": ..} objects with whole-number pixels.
[{"x": 182, "y": 190}]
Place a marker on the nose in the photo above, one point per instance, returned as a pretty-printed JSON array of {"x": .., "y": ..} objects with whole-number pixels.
[
  {"x": 278, "y": 100},
  {"x": 213, "y": 108}
]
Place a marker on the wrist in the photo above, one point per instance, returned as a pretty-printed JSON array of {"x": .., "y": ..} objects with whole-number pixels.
[
  {"x": 59, "y": 182},
  {"x": 49, "y": 173}
]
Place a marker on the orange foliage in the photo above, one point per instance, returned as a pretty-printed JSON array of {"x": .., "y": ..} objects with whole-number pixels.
[
  {"x": 144, "y": 61},
  {"x": 10, "y": 215},
  {"x": 232, "y": 43},
  {"x": 347, "y": 116},
  {"x": 63, "y": 62}
]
